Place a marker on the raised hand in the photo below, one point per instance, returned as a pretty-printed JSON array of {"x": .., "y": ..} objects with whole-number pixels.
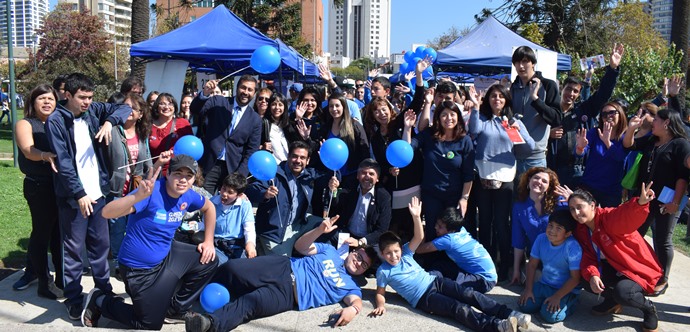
[
  {"x": 635, "y": 122},
  {"x": 616, "y": 55},
  {"x": 402, "y": 88},
  {"x": 325, "y": 73},
  {"x": 534, "y": 86},
  {"x": 563, "y": 191},
  {"x": 374, "y": 72},
  {"x": 302, "y": 128},
  {"x": 581, "y": 139},
  {"x": 422, "y": 65},
  {"x": 473, "y": 96},
  {"x": 409, "y": 76},
  {"x": 429, "y": 95},
  {"x": 605, "y": 136},
  {"x": 674, "y": 85},
  {"x": 300, "y": 110},
  {"x": 209, "y": 87},
  {"x": 410, "y": 119},
  {"x": 327, "y": 225},
  {"x": 646, "y": 193},
  {"x": 415, "y": 207}
]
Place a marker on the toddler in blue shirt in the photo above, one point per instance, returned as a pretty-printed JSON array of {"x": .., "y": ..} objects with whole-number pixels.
[
  {"x": 235, "y": 235},
  {"x": 554, "y": 296},
  {"x": 437, "y": 295}
]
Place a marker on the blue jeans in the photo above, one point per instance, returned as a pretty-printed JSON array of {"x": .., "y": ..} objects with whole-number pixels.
[
  {"x": 116, "y": 228},
  {"x": 445, "y": 297},
  {"x": 541, "y": 292}
]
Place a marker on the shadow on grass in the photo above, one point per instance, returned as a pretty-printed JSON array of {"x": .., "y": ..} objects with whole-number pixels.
[{"x": 17, "y": 258}]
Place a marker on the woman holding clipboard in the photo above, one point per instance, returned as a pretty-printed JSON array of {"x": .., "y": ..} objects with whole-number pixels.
[{"x": 496, "y": 132}]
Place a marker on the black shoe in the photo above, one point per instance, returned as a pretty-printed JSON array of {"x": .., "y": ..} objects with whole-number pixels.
[
  {"x": 91, "y": 312},
  {"x": 196, "y": 322},
  {"x": 74, "y": 311},
  {"x": 49, "y": 291},
  {"x": 86, "y": 271},
  {"x": 651, "y": 319},
  {"x": 609, "y": 306},
  {"x": 659, "y": 290},
  {"x": 25, "y": 281},
  {"x": 175, "y": 318}
]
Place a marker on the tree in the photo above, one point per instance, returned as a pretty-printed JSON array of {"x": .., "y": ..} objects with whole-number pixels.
[
  {"x": 447, "y": 37},
  {"x": 72, "y": 42},
  {"x": 140, "y": 32},
  {"x": 532, "y": 33},
  {"x": 679, "y": 35}
]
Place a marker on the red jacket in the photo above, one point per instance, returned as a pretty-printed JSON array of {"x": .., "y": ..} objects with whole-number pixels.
[{"x": 615, "y": 234}]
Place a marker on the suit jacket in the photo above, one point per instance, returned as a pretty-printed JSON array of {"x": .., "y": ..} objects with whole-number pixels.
[
  {"x": 216, "y": 117},
  {"x": 378, "y": 213}
]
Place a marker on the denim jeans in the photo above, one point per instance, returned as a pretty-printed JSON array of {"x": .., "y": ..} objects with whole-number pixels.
[
  {"x": 116, "y": 227},
  {"x": 541, "y": 293}
]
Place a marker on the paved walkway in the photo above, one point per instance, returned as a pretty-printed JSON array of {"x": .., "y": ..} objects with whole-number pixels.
[{"x": 25, "y": 311}]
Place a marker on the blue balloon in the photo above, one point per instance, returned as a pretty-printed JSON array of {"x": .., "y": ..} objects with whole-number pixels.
[
  {"x": 334, "y": 153},
  {"x": 415, "y": 60},
  {"x": 265, "y": 59},
  {"x": 404, "y": 67},
  {"x": 430, "y": 52},
  {"x": 214, "y": 296},
  {"x": 428, "y": 73},
  {"x": 189, "y": 145},
  {"x": 399, "y": 153},
  {"x": 262, "y": 165},
  {"x": 419, "y": 51},
  {"x": 409, "y": 55}
]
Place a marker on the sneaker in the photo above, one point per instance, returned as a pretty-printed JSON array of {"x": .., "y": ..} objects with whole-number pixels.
[
  {"x": 651, "y": 319},
  {"x": 74, "y": 311},
  {"x": 507, "y": 325},
  {"x": 24, "y": 282},
  {"x": 91, "y": 312},
  {"x": 523, "y": 320},
  {"x": 608, "y": 307},
  {"x": 49, "y": 291},
  {"x": 196, "y": 322},
  {"x": 176, "y": 318}
]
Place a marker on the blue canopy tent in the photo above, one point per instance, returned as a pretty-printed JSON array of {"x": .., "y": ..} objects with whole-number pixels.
[
  {"x": 488, "y": 49},
  {"x": 219, "y": 42}
]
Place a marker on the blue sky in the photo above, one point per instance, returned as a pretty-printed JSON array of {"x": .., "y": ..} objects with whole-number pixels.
[{"x": 415, "y": 21}]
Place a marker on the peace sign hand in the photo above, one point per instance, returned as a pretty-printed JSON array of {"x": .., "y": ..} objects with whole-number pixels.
[{"x": 646, "y": 194}]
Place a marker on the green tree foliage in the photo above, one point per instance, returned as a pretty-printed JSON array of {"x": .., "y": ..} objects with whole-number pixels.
[
  {"x": 446, "y": 38},
  {"x": 532, "y": 33},
  {"x": 72, "y": 42}
]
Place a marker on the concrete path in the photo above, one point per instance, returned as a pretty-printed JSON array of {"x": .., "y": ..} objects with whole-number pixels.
[{"x": 25, "y": 311}]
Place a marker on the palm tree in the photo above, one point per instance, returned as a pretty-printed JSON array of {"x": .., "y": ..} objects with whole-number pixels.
[
  {"x": 140, "y": 32},
  {"x": 679, "y": 35}
]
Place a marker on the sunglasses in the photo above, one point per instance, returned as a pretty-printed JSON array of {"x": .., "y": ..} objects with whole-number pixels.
[
  {"x": 262, "y": 98},
  {"x": 608, "y": 114},
  {"x": 359, "y": 85}
]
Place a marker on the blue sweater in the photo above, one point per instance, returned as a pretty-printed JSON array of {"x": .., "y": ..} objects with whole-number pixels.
[
  {"x": 447, "y": 165},
  {"x": 604, "y": 168}
]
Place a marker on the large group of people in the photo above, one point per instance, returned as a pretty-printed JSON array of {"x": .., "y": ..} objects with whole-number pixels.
[{"x": 520, "y": 177}]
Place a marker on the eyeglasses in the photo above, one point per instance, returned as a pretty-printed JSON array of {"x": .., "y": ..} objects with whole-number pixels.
[
  {"x": 359, "y": 85},
  {"x": 359, "y": 258},
  {"x": 609, "y": 114}
]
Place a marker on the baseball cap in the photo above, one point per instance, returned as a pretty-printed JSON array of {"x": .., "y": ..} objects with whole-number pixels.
[
  {"x": 183, "y": 161},
  {"x": 297, "y": 87}
]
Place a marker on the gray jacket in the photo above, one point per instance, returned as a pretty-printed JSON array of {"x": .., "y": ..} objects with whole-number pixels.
[{"x": 117, "y": 155}]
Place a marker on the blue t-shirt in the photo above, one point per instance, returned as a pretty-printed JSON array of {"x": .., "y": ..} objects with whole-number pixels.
[
  {"x": 321, "y": 279},
  {"x": 230, "y": 221},
  {"x": 407, "y": 278},
  {"x": 558, "y": 260},
  {"x": 150, "y": 229},
  {"x": 467, "y": 253}
]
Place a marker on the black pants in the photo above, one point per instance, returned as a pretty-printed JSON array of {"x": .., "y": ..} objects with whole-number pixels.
[
  {"x": 447, "y": 298},
  {"x": 214, "y": 177},
  {"x": 153, "y": 290},
  {"x": 494, "y": 223},
  {"x": 662, "y": 231},
  {"x": 623, "y": 290},
  {"x": 259, "y": 287},
  {"x": 45, "y": 230}
]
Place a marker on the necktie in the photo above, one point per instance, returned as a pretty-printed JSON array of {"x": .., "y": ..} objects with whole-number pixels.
[{"x": 235, "y": 115}]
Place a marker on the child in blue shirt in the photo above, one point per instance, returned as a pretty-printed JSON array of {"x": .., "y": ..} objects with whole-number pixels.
[
  {"x": 555, "y": 294},
  {"x": 477, "y": 268},
  {"x": 235, "y": 236},
  {"x": 437, "y": 295}
]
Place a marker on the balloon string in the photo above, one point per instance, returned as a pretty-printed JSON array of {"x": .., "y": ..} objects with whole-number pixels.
[
  {"x": 277, "y": 206},
  {"x": 396, "y": 182},
  {"x": 138, "y": 162},
  {"x": 330, "y": 200},
  {"x": 232, "y": 74}
]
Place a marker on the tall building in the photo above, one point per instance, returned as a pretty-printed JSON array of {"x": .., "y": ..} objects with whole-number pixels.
[
  {"x": 116, "y": 16},
  {"x": 662, "y": 12},
  {"x": 360, "y": 28},
  {"x": 27, "y": 17},
  {"x": 311, "y": 17}
]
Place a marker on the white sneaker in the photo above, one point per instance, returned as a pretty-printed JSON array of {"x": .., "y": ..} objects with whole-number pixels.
[
  {"x": 523, "y": 320},
  {"x": 508, "y": 325}
]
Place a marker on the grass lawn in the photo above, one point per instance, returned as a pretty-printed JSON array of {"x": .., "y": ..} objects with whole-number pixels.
[
  {"x": 5, "y": 138},
  {"x": 15, "y": 220}
]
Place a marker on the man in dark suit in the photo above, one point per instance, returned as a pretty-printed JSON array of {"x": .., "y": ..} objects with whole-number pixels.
[
  {"x": 366, "y": 212},
  {"x": 230, "y": 132}
]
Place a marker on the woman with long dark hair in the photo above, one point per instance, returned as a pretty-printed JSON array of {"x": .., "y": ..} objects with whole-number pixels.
[
  {"x": 37, "y": 162},
  {"x": 662, "y": 163},
  {"x": 605, "y": 155},
  {"x": 166, "y": 129},
  {"x": 448, "y": 162},
  {"x": 496, "y": 165},
  {"x": 616, "y": 261},
  {"x": 282, "y": 130}
]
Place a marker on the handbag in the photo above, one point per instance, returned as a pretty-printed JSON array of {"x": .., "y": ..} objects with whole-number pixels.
[
  {"x": 491, "y": 184},
  {"x": 630, "y": 179}
]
